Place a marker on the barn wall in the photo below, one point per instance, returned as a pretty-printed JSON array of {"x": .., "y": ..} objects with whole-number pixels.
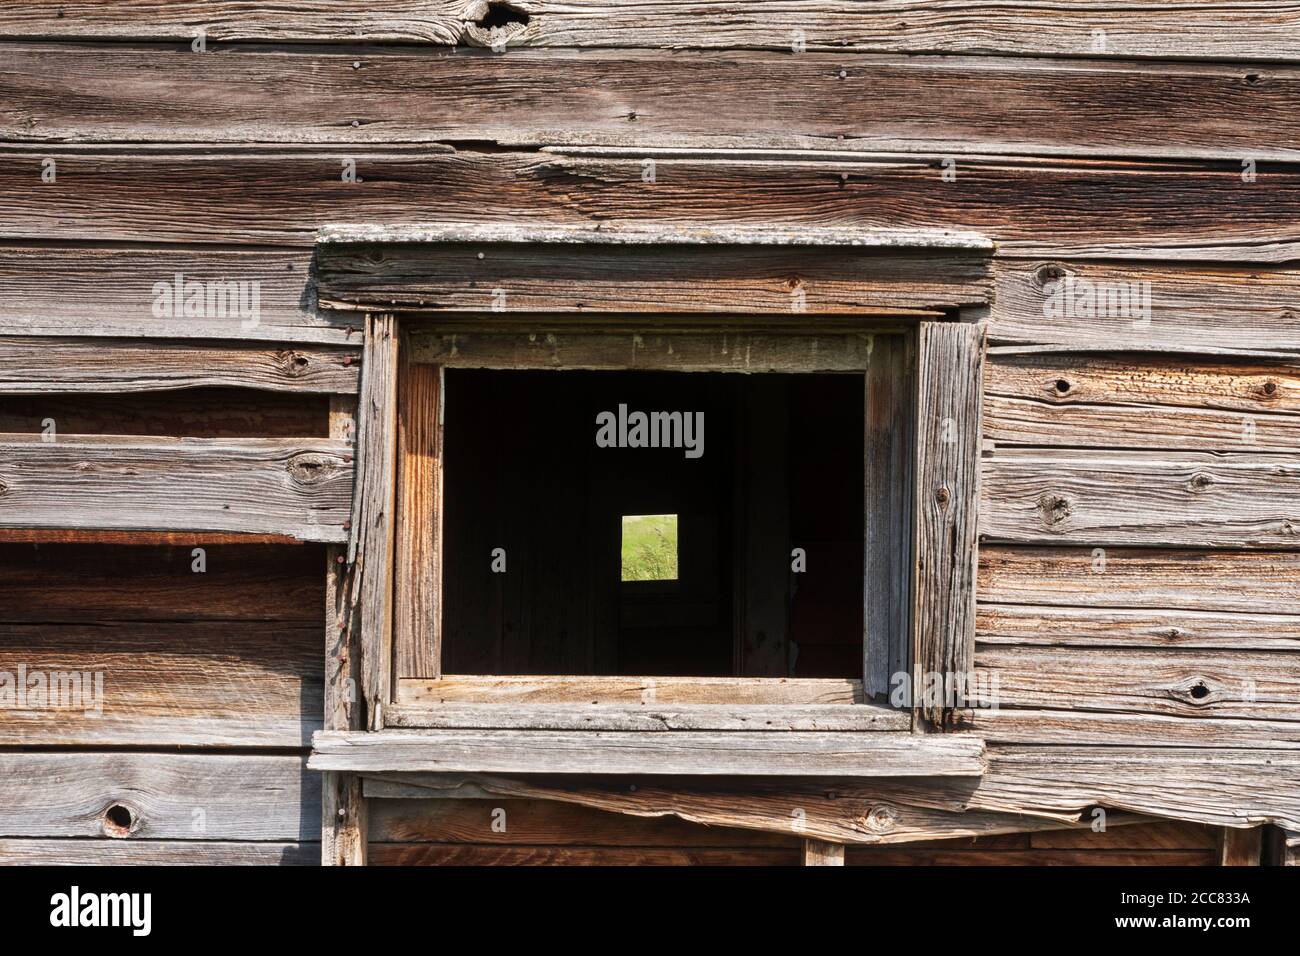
[{"x": 1111, "y": 146}]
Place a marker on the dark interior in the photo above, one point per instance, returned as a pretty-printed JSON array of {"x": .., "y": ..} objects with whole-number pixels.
[{"x": 781, "y": 468}]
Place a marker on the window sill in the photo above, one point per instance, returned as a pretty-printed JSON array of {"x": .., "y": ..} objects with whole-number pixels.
[{"x": 746, "y": 753}]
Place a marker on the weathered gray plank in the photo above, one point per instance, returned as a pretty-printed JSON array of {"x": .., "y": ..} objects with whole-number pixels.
[
  {"x": 1142, "y": 401},
  {"x": 890, "y": 392},
  {"x": 1240, "y": 29},
  {"x": 691, "y": 753},
  {"x": 165, "y": 796},
  {"x": 371, "y": 543},
  {"x": 417, "y": 599},
  {"x": 1135, "y": 627},
  {"x": 1024, "y": 725},
  {"x": 694, "y": 278},
  {"x": 651, "y": 718},
  {"x": 130, "y": 291},
  {"x": 210, "y": 684},
  {"x": 58, "y": 93},
  {"x": 255, "y": 485},
  {"x": 1209, "y": 308},
  {"x": 110, "y": 852},
  {"x": 685, "y": 352},
  {"x": 1175, "y": 499},
  {"x": 947, "y": 474},
  {"x": 1244, "y": 581},
  {"x": 1260, "y": 685},
  {"x": 1097, "y": 208},
  {"x": 629, "y": 690},
  {"x": 344, "y": 818},
  {"x": 39, "y": 365}
]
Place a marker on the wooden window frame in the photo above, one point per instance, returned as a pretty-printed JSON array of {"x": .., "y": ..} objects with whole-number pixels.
[{"x": 922, "y": 368}]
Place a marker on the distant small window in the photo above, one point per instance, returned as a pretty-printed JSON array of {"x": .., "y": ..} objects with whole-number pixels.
[{"x": 649, "y": 548}]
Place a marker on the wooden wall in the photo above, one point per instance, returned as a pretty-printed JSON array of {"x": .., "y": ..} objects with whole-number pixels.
[{"x": 1097, "y": 141}]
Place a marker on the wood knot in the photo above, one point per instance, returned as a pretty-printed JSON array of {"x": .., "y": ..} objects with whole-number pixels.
[
  {"x": 1269, "y": 389},
  {"x": 1048, "y": 273},
  {"x": 119, "y": 820},
  {"x": 498, "y": 27},
  {"x": 1200, "y": 481},
  {"x": 1253, "y": 79},
  {"x": 311, "y": 468},
  {"x": 1054, "y": 508},
  {"x": 293, "y": 363},
  {"x": 882, "y": 819},
  {"x": 1195, "y": 691},
  {"x": 942, "y": 495}
]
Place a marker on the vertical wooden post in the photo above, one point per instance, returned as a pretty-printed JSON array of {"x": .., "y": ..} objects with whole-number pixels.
[
  {"x": 417, "y": 558},
  {"x": 1240, "y": 847},
  {"x": 343, "y": 810},
  {"x": 890, "y": 398},
  {"x": 370, "y": 547},
  {"x": 821, "y": 853},
  {"x": 948, "y": 441}
]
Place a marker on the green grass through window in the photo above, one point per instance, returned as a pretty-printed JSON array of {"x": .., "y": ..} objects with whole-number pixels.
[{"x": 650, "y": 547}]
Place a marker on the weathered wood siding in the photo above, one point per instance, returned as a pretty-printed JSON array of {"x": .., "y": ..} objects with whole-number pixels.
[{"x": 1139, "y": 516}]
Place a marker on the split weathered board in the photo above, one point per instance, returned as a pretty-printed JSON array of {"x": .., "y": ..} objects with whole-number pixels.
[
  {"x": 131, "y": 290},
  {"x": 651, "y": 691},
  {"x": 673, "y": 277},
  {"x": 947, "y": 474},
  {"x": 617, "y": 97},
  {"x": 30, "y": 365},
  {"x": 1054, "y": 207},
  {"x": 739, "y": 753},
  {"x": 1240, "y": 29},
  {"x": 253, "y": 485}
]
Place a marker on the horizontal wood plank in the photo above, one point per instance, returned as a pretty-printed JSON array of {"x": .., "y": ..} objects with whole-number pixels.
[
  {"x": 1026, "y": 725},
  {"x": 1176, "y": 499},
  {"x": 651, "y": 717},
  {"x": 1181, "y": 307},
  {"x": 211, "y": 684},
  {"x": 131, "y": 291},
  {"x": 111, "y": 852},
  {"x": 1034, "y": 207},
  {"x": 1252, "y": 582},
  {"x": 832, "y": 101},
  {"x": 1240, "y": 29},
  {"x": 237, "y": 797},
  {"x": 39, "y": 365},
  {"x": 739, "y": 753},
  {"x": 453, "y": 689},
  {"x": 1097, "y": 627},
  {"x": 743, "y": 352},
  {"x": 442, "y": 854},
  {"x": 274, "y": 486},
  {"x": 697, "y": 278},
  {"x": 1261, "y": 685}
]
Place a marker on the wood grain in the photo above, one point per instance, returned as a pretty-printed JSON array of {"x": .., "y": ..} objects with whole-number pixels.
[
  {"x": 30, "y": 365},
  {"x": 742, "y": 352},
  {"x": 417, "y": 599},
  {"x": 110, "y": 291},
  {"x": 190, "y": 684},
  {"x": 259, "y": 485},
  {"x": 1241, "y": 29},
  {"x": 651, "y": 718},
  {"x": 1250, "y": 582},
  {"x": 1021, "y": 725},
  {"x": 1204, "y": 683},
  {"x": 629, "y": 690},
  {"x": 1174, "y": 499},
  {"x": 742, "y": 98},
  {"x": 109, "y": 852},
  {"x": 738, "y": 753},
  {"x": 599, "y": 278},
  {"x": 238, "y": 797},
  {"x": 1031, "y": 207},
  {"x": 947, "y": 474},
  {"x": 1210, "y": 307}
]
